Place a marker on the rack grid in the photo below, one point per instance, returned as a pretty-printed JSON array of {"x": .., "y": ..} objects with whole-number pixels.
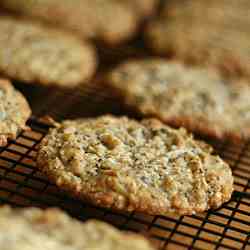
[{"x": 22, "y": 184}]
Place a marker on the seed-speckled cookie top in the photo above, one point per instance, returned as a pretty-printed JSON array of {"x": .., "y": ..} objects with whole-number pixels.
[
  {"x": 109, "y": 20},
  {"x": 32, "y": 52},
  {"x": 196, "y": 98},
  {"x": 51, "y": 229},
  {"x": 205, "y": 32},
  {"x": 128, "y": 165},
  {"x": 14, "y": 111}
]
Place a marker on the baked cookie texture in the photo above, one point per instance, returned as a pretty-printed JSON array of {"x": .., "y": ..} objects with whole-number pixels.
[
  {"x": 33, "y": 53},
  {"x": 14, "y": 112},
  {"x": 205, "y": 32},
  {"x": 128, "y": 165},
  {"x": 143, "y": 7},
  {"x": 197, "y": 98},
  {"x": 52, "y": 229},
  {"x": 109, "y": 20}
]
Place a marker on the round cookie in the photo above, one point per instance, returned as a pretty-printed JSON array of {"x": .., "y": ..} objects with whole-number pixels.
[
  {"x": 51, "y": 229},
  {"x": 111, "y": 21},
  {"x": 127, "y": 165},
  {"x": 205, "y": 33},
  {"x": 196, "y": 98},
  {"x": 34, "y": 53},
  {"x": 14, "y": 112}
]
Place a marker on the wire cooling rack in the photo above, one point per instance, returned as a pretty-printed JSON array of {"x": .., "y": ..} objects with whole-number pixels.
[{"x": 21, "y": 184}]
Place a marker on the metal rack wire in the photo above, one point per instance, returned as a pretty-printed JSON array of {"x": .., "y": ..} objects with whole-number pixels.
[{"x": 21, "y": 184}]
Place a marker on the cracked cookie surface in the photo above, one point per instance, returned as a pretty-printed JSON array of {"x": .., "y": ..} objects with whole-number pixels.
[
  {"x": 109, "y": 20},
  {"x": 52, "y": 229},
  {"x": 14, "y": 112},
  {"x": 34, "y": 53},
  {"x": 205, "y": 32},
  {"x": 134, "y": 166},
  {"x": 199, "y": 99}
]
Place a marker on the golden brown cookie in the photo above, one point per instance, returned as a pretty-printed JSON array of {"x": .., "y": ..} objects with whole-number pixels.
[
  {"x": 196, "y": 98},
  {"x": 52, "y": 229},
  {"x": 14, "y": 112},
  {"x": 31, "y": 52},
  {"x": 143, "y": 7},
  {"x": 128, "y": 165},
  {"x": 111, "y": 21},
  {"x": 205, "y": 32}
]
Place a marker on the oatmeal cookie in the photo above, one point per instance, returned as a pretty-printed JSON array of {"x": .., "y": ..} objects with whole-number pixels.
[
  {"x": 199, "y": 99},
  {"x": 32, "y": 52},
  {"x": 52, "y": 229},
  {"x": 205, "y": 32},
  {"x": 111, "y": 21},
  {"x": 14, "y": 112},
  {"x": 128, "y": 165}
]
